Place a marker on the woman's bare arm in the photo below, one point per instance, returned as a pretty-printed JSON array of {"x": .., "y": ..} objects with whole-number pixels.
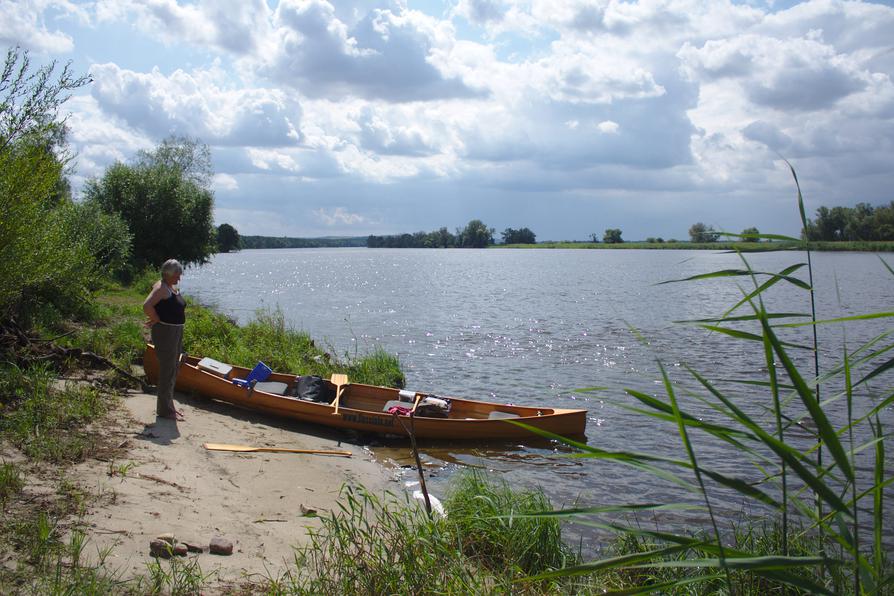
[{"x": 157, "y": 294}]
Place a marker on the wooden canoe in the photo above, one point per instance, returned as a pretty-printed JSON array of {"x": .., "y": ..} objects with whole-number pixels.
[{"x": 363, "y": 407}]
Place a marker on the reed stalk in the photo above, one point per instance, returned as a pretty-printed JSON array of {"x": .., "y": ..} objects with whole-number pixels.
[{"x": 819, "y": 491}]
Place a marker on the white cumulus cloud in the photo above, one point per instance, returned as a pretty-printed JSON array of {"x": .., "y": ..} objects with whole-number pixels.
[
  {"x": 225, "y": 182},
  {"x": 337, "y": 216},
  {"x": 24, "y": 23},
  {"x": 385, "y": 55},
  {"x": 198, "y": 104}
]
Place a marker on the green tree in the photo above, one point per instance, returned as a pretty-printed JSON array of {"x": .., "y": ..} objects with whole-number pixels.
[
  {"x": 227, "y": 238},
  {"x": 861, "y": 222},
  {"x": 445, "y": 238},
  {"x": 751, "y": 231},
  {"x": 104, "y": 234},
  {"x": 699, "y": 232},
  {"x": 186, "y": 155},
  {"x": 475, "y": 235},
  {"x": 883, "y": 222},
  {"x": 521, "y": 236},
  {"x": 612, "y": 236},
  {"x": 165, "y": 199},
  {"x": 42, "y": 260},
  {"x": 858, "y": 222},
  {"x": 830, "y": 224}
]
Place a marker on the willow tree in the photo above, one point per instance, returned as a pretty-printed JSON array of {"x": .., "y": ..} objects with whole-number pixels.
[
  {"x": 46, "y": 257},
  {"x": 166, "y": 200}
]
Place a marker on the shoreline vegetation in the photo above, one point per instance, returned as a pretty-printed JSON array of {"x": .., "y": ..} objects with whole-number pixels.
[
  {"x": 881, "y": 246},
  {"x": 271, "y": 242}
]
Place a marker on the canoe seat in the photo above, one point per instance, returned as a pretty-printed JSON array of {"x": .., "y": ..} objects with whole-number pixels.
[
  {"x": 259, "y": 373},
  {"x": 274, "y": 387},
  {"x": 213, "y": 366},
  {"x": 498, "y": 415}
]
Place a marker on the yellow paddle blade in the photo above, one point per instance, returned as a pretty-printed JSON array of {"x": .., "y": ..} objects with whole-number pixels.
[{"x": 338, "y": 379}]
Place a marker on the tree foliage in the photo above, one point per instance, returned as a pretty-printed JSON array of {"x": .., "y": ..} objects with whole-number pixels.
[
  {"x": 290, "y": 242},
  {"x": 612, "y": 236},
  {"x": 522, "y": 236},
  {"x": 47, "y": 255},
  {"x": 699, "y": 232},
  {"x": 227, "y": 238},
  {"x": 441, "y": 238},
  {"x": 475, "y": 235},
  {"x": 861, "y": 222},
  {"x": 165, "y": 200},
  {"x": 30, "y": 100},
  {"x": 751, "y": 232},
  {"x": 188, "y": 156}
]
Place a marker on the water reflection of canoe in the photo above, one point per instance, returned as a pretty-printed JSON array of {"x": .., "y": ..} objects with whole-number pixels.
[{"x": 365, "y": 407}]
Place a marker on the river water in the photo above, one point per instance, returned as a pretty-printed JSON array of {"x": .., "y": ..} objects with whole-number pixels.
[{"x": 536, "y": 326}]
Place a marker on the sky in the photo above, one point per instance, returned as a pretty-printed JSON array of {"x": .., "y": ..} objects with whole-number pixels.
[{"x": 568, "y": 117}]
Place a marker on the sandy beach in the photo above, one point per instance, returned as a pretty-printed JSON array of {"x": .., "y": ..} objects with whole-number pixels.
[{"x": 165, "y": 482}]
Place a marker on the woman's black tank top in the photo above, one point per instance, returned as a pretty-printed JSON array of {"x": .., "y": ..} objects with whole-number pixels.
[{"x": 172, "y": 310}]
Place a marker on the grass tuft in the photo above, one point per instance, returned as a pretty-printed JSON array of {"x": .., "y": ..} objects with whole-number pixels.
[
  {"x": 47, "y": 423},
  {"x": 491, "y": 523},
  {"x": 10, "y": 481},
  {"x": 173, "y": 576},
  {"x": 389, "y": 545}
]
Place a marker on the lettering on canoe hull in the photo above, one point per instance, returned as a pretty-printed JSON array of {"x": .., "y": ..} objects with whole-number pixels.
[{"x": 374, "y": 420}]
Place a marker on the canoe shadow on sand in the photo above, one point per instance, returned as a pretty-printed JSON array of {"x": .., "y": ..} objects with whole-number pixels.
[{"x": 201, "y": 403}]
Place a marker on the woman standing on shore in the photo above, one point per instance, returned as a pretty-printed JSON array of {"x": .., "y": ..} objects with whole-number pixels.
[{"x": 166, "y": 310}]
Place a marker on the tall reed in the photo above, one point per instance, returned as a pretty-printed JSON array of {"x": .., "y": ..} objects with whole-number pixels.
[{"x": 810, "y": 497}]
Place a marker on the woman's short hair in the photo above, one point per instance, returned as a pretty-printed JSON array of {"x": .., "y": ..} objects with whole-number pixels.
[{"x": 171, "y": 267}]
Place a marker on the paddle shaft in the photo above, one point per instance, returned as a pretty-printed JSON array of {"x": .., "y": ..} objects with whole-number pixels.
[{"x": 246, "y": 448}]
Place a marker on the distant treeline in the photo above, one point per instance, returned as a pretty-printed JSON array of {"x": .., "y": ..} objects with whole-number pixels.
[
  {"x": 283, "y": 242},
  {"x": 862, "y": 222},
  {"x": 857, "y": 225},
  {"x": 475, "y": 235},
  {"x": 439, "y": 239}
]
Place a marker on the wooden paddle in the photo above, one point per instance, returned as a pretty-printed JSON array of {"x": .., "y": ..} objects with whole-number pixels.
[
  {"x": 416, "y": 402},
  {"x": 339, "y": 380},
  {"x": 244, "y": 448}
]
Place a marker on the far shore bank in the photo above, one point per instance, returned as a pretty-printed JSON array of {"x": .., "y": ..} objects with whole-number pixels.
[
  {"x": 722, "y": 246},
  {"x": 886, "y": 246}
]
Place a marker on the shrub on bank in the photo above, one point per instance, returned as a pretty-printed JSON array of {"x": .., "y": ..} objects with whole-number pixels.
[{"x": 269, "y": 339}]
